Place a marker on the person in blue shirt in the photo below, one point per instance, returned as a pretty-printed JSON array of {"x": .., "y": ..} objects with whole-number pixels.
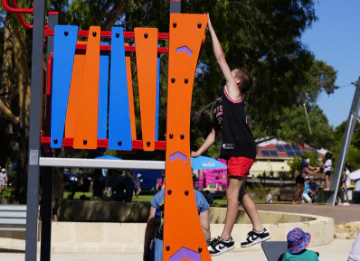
[
  {"x": 305, "y": 195},
  {"x": 313, "y": 189},
  {"x": 153, "y": 245}
]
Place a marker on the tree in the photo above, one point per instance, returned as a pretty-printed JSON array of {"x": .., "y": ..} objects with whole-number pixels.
[
  {"x": 263, "y": 36},
  {"x": 294, "y": 127},
  {"x": 353, "y": 156}
]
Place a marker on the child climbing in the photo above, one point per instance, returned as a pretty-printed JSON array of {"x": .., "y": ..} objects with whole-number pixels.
[{"x": 238, "y": 147}]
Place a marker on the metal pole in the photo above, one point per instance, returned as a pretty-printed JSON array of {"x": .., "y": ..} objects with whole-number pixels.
[
  {"x": 349, "y": 131},
  {"x": 34, "y": 136},
  {"x": 47, "y": 173},
  {"x": 175, "y": 6}
]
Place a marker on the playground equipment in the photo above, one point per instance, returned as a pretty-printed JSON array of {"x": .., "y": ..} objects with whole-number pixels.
[
  {"x": 345, "y": 145},
  {"x": 82, "y": 77}
]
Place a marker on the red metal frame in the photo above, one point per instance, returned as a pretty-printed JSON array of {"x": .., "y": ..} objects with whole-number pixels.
[
  {"x": 103, "y": 143},
  {"x": 20, "y": 12},
  {"x": 106, "y": 34}
]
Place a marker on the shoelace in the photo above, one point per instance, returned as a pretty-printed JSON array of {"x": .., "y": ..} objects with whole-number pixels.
[{"x": 214, "y": 241}]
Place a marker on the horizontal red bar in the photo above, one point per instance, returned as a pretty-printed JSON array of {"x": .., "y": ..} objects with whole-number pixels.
[
  {"x": 127, "y": 48},
  {"x": 103, "y": 143},
  {"x": 105, "y": 34}
]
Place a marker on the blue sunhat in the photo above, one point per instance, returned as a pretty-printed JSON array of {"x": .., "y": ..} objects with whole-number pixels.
[{"x": 298, "y": 240}]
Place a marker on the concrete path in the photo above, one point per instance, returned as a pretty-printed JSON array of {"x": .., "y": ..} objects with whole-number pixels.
[
  {"x": 338, "y": 250},
  {"x": 339, "y": 213}
]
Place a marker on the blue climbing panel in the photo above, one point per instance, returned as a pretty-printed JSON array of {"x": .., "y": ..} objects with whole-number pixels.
[
  {"x": 103, "y": 94},
  {"x": 65, "y": 37},
  {"x": 157, "y": 98},
  {"x": 119, "y": 112}
]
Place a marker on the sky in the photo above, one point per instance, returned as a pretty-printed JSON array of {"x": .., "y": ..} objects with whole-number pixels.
[{"x": 335, "y": 39}]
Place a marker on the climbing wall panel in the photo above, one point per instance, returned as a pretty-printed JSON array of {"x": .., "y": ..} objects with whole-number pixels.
[
  {"x": 74, "y": 95},
  {"x": 64, "y": 53},
  {"x": 87, "y": 117},
  {"x": 183, "y": 236},
  {"x": 103, "y": 93},
  {"x": 131, "y": 95},
  {"x": 146, "y": 41},
  {"x": 119, "y": 116}
]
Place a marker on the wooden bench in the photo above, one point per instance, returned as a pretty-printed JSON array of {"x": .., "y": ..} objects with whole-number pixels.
[{"x": 12, "y": 217}]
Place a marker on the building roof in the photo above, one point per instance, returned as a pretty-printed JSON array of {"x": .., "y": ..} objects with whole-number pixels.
[{"x": 273, "y": 148}]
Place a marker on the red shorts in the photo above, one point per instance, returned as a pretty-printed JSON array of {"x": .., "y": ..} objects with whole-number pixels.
[{"x": 239, "y": 166}]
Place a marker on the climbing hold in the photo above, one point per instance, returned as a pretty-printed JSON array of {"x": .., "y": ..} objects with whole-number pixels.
[
  {"x": 186, "y": 192},
  {"x": 169, "y": 191},
  {"x": 119, "y": 142},
  {"x": 55, "y": 141},
  {"x": 84, "y": 142},
  {"x": 148, "y": 143},
  {"x": 174, "y": 25},
  {"x": 94, "y": 34},
  {"x": 186, "y": 80},
  {"x": 182, "y": 136},
  {"x": 200, "y": 249},
  {"x": 146, "y": 35},
  {"x": 171, "y": 136},
  {"x": 167, "y": 248},
  {"x": 117, "y": 35},
  {"x": 173, "y": 80},
  {"x": 66, "y": 33},
  {"x": 199, "y": 25}
]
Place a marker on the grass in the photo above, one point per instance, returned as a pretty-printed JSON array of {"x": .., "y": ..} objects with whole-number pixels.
[
  {"x": 147, "y": 198},
  {"x": 142, "y": 198}
]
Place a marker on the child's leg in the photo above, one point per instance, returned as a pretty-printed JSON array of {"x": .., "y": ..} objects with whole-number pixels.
[
  {"x": 306, "y": 197},
  {"x": 347, "y": 195},
  {"x": 326, "y": 181},
  {"x": 251, "y": 211},
  {"x": 232, "y": 195}
]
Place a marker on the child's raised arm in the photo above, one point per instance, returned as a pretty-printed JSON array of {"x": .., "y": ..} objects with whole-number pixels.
[{"x": 231, "y": 86}]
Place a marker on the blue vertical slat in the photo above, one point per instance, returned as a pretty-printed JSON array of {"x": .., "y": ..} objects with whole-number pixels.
[
  {"x": 119, "y": 112},
  {"x": 103, "y": 94},
  {"x": 65, "y": 38},
  {"x": 157, "y": 98}
]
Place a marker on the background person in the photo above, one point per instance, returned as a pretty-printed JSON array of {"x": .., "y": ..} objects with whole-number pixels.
[
  {"x": 3, "y": 180},
  {"x": 305, "y": 196},
  {"x": 327, "y": 170},
  {"x": 268, "y": 196},
  {"x": 356, "y": 199},
  {"x": 355, "y": 251},
  {"x": 153, "y": 244},
  {"x": 347, "y": 183},
  {"x": 313, "y": 189},
  {"x": 300, "y": 179},
  {"x": 298, "y": 241}
]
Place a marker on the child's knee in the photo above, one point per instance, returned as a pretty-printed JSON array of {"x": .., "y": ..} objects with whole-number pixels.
[{"x": 232, "y": 194}]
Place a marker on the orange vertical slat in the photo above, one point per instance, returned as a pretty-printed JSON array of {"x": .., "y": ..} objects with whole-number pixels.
[
  {"x": 131, "y": 95},
  {"x": 183, "y": 236},
  {"x": 87, "y": 118},
  {"x": 146, "y": 40},
  {"x": 74, "y": 95}
]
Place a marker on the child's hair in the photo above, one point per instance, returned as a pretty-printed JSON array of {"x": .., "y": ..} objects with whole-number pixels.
[
  {"x": 268, "y": 191},
  {"x": 328, "y": 155},
  {"x": 247, "y": 81}
]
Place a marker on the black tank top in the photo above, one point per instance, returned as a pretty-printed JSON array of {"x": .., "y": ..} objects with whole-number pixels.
[{"x": 230, "y": 119}]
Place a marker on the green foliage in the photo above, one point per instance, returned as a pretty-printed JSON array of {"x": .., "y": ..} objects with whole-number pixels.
[
  {"x": 294, "y": 127},
  {"x": 295, "y": 164},
  {"x": 353, "y": 156}
]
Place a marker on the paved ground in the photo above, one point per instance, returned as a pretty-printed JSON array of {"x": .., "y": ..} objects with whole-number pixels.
[
  {"x": 338, "y": 250},
  {"x": 339, "y": 213}
]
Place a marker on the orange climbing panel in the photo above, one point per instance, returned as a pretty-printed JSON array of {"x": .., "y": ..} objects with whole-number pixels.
[
  {"x": 131, "y": 95},
  {"x": 87, "y": 117},
  {"x": 183, "y": 236},
  {"x": 146, "y": 41},
  {"x": 74, "y": 95}
]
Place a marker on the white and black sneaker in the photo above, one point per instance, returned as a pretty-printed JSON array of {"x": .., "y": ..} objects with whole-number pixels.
[
  {"x": 218, "y": 246},
  {"x": 254, "y": 237}
]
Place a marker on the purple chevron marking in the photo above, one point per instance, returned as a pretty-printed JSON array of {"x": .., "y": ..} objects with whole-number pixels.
[
  {"x": 184, "y": 49},
  {"x": 185, "y": 253},
  {"x": 178, "y": 155}
]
